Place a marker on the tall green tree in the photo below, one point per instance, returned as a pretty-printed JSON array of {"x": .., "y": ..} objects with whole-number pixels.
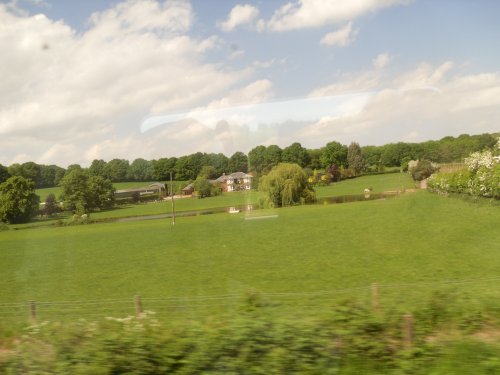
[
  {"x": 50, "y": 175},
  {"x": 257, "y": 158},
  {"x": 314, "y": 158},
  {"x": 220, "y": 162},
  {"x": 272, "y": 156},
  {"x": 295, "y": 154},
  {"x": 162, "y": 168},
  {"x": 81, "y": 193},
  {"x": 238, "y": 162},
  {"x": 140, "y": 170},
  {"x": 371, "y": 155},
  {"x": 334, "y": 153},
  {"x": 75, "y": 191},
  {"x": 394, "y": 153},
  {"x": 18, "y": 201},
  {"x": 98, "y": 168},
  {"x": 4, "y": 173},
  {"x": 208, "y": 172},
  {"x": 101, "y": 193},
  {"x": 184, "y": 168},
  {"x": 285, "y": 185},
  {"x": 355, "y": 159},
  {"x": 117, "y": 170}
]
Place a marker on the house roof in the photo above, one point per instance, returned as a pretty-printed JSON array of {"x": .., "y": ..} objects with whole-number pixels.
[
  {"x": 238, "y": 175},
  {"x": 153, "y": 187},
  {"x": 188, "y": 187}
]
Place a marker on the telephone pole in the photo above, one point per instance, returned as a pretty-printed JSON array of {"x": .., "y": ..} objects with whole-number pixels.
[{"x": 172, "y": 194}]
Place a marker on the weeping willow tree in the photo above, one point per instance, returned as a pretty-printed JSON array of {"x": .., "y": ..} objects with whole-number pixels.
[{"x": 286, "y": 185}]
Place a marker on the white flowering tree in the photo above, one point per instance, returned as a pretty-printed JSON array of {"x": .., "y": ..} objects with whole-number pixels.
[{"x": 481, "y": 178}]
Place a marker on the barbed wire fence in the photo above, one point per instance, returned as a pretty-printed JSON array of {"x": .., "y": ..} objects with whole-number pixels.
[{"x": 164, "y": 305}]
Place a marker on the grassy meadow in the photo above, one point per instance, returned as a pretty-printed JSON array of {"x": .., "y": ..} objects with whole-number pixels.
[
  {"x": 301, "y": 259},
  {"x": 379, "y": 183}
]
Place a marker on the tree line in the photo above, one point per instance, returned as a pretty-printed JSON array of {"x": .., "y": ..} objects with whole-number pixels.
[{"x": 261, "y": 159}]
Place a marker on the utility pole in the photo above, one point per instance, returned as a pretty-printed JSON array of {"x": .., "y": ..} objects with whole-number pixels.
[{"x": 172, "y": 193}]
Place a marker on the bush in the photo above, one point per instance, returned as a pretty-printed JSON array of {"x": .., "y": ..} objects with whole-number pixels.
[
  {"x": 481, "y": 179},
  {"x": 421, "y": 169},
  {"x": 350, "y": 340}
]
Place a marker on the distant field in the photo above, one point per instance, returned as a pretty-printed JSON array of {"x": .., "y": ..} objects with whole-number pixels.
[
  {"x": 43, "y": 193},
  {"x": 379, "y": 183},
  {"x": 414, "y": 244}
]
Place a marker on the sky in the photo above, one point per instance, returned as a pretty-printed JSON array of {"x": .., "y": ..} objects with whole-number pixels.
[{"x": 100, "y": 79}]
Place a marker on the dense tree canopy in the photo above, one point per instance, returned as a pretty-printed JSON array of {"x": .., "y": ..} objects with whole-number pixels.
[
  {"x": 140, "y": 170},
  {"x": 18, "y": 201},
  {"x": 238, "y": 162},
  {"x": 296, "y": 154},
  {"x": 261, "y": 159},
  {"x": 334, "y": 153},
  {"x": 4, "y": 173},
  {"x": 82, "y": 193},
  {"x": 98, "y": 168},
  {"x": 117, "y": 170},
  {"x": 257, "y": 159}
]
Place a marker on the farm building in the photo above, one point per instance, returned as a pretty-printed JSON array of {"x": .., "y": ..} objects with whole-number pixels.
[
  {"x": 155, "y": 189},
  {"x": 188, "y": 190}
]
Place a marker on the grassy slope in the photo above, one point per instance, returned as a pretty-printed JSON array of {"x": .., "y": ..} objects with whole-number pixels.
[
  {"x": 412, "y": 239},
  {"x": 379, "y": 184}
]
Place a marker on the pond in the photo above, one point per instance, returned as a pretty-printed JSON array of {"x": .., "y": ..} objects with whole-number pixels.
[{"x": 250, "y": 207}]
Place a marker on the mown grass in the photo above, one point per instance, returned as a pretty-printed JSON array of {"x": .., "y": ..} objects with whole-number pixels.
[
  {"x": 378, "y": 183},
  {"x": 415, "y": 244}
]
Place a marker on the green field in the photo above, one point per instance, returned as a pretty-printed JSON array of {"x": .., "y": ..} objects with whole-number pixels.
[
  {"x": 378, "y": 183},
  {"x": 412, "y": 245},
  {"x": 43, "y": 193}
]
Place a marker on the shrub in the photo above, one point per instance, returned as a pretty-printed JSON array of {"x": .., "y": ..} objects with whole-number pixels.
[
  {"x": 421, "y": 169},
  {"x": 481, "y": 179}
]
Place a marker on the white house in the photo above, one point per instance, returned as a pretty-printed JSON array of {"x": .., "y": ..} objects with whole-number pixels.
[{"x": 235, "y": 181}]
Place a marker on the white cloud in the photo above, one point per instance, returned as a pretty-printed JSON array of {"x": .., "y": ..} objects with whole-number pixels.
[
  {"x": 382, "y": 60},
  {"x": 63, "y": 87},
  {"x": 428, "y": 102},
  {"x": 341, "y": 37},
  {"x": 239, "y": 15},
  {"x": 236, "y": 54},
  {"x": 350, "y": 83},
  {"x": 301, "y": 14},
  {"x": 255, "y": 92},
  {"x": 265, "y": 64}
]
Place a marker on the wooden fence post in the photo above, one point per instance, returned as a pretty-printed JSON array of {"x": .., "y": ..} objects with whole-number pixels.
[
  {"x": 375, "y": 298},
  {"x": 33, "y": 312},
  {"x": 138, "y": 305},
  {"x": 408, "y": 330}
]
